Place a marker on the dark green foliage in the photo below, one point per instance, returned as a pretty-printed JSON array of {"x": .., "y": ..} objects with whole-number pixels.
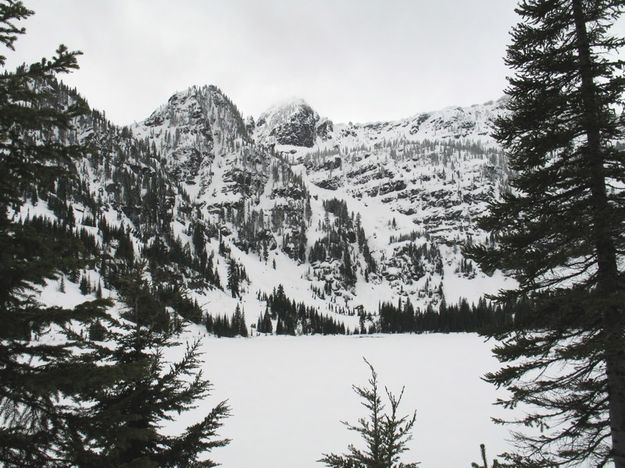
[
  {"x": 561, "y": 232},
  {"x": 264, "y": 324},
  {"x": 317, "y": 252},
  {"x": 225, "y": 326},
  {"x": 61, "y": 210},
  {"x": 238, "y": 322},
  {"x": 294, "y": 242},
  {"x": 84, "y": 286},
  {"x": 284, "y": 311},
  {"x": 36, "y": 376},
  {"x": 384, "y": 433},
  {"x": 297, "y": 318},
  {"x": 338, "y": 208},
  {"x": 462, "y": 317},
  {"x": 369, "y": 260},
  {"x": 347, "y": 269},
  {"x": 176, "y": 298},
  {"x": 137, "y": 391},
  {"x": 234, "y": 278},
  {"x": 198, "y": 239},
  {"x": 125, "y": 249},
  {"x": 97, "y": 331}
]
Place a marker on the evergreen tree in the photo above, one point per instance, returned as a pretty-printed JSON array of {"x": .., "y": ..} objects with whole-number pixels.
[
  {"x": 348, "y": 269},
  {"x": 560, "y": 231},
  {"x": 280, "y": 327},
  {"x": 84, "y": 286},
  {"x": 137, "y": 391},
  {"x": 238, "y": 322},
  {"x": 264, "y": 324},
  {"x": 385, "y": 433},
  {"x": 233, "y": 278},
  {"x": 36, "y": 375}
]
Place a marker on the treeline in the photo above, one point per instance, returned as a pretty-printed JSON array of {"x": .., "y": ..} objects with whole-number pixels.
[
  {"x": 287, "y": 317},
  {"x": 222, "y": 325},
  {"x": 78, "y": 248},
  {"x": 462, "y": 317}
]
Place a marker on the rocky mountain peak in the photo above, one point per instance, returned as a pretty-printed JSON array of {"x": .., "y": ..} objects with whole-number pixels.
[
  {"x": 191, "y": 129},
  {"x": 198, "y": 108},
  {"x": 291, "y": 123}
]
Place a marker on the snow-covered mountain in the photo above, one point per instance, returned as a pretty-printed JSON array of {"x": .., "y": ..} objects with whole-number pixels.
[
  {"x": 415, "y": 185},
  {"x": 343, "y": 216},
  {"x": 205, "y": 145}
]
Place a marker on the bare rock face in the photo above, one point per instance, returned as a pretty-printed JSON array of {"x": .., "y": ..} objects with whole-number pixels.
[
  {"x": 324, "y": 129},
  {"x": 294, "y": 123},
  {"x": 199, "y": 132},
  {"x": 299, "y": 130}
]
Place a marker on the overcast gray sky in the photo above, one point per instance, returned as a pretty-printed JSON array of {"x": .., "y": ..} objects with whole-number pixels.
[{"x": 352, "y": 60}]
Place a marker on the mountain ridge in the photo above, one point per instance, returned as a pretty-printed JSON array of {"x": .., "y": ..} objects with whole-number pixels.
[{"x": 367, "y": 214}]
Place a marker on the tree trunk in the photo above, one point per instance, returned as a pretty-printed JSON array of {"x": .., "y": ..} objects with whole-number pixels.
[{"x": 607, "y": 274}]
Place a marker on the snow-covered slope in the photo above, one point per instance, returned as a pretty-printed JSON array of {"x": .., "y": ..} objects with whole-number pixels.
[
  {"x": 343, "y": 216},
  {"x": 412, "y": 190},
  {"x": 416, "y": 184}
]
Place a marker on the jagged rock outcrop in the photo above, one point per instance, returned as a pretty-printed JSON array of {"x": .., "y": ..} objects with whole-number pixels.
[
  {"x": 205, "y": 144},
  {"x": 294, "y": 123}
]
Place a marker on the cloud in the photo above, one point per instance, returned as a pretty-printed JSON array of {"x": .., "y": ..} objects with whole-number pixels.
[{"x": 353, "y": 60}]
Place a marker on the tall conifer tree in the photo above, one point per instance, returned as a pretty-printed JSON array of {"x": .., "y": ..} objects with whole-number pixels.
[
  {"x": 35, "y": 374},
  {"x": 561, "y": 232},
  {"x": 233, "y": 278}
]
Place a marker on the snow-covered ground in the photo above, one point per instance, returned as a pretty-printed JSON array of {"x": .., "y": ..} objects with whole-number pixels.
[{"x": 289, "y": 394}]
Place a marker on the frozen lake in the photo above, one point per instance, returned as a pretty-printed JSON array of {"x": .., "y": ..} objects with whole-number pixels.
[{"x": 288, "y": 395}]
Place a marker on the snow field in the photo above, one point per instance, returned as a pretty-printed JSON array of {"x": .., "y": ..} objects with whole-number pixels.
[{"x": 289, "y": 394}]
